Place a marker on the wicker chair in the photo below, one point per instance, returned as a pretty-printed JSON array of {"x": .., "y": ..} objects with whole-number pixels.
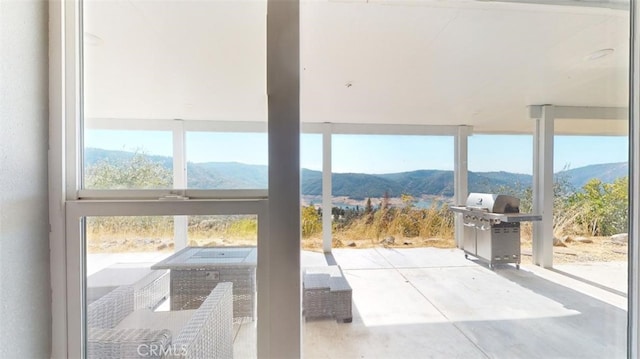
[
  {"x": 208, "y": 333},
  {"x": 151, "y": 287}
]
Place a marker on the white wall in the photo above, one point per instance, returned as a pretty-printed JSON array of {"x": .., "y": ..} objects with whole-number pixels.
[{"x": 25, "y": 290}]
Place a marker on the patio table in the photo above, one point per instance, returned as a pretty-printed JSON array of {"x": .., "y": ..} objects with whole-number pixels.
[{"x": 195, "y": 271}]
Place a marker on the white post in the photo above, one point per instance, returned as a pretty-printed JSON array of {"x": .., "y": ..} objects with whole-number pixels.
[
  {"x": 327, "y": 236},
  {"x": 633, "y": 332},
  {"x": 543, "y": 188},
  {"x": 279, "y": 324},
  {"x": 460, "y": 177},
  {"x": 180, "y": 223},
  {"x": 72, "y": 143},
  {"x": 58, "y": 28}
]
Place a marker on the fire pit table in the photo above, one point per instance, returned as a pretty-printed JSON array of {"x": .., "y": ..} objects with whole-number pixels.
[
  {"x": 195, "y": 271},
  {"x": 492, "y": 227}
]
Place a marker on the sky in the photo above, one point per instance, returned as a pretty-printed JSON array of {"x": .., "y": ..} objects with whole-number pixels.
[{"x": 373, "y": 153}]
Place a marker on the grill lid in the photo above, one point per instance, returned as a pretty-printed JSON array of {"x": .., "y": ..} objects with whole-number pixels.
[{"x": 494, "y": 203}]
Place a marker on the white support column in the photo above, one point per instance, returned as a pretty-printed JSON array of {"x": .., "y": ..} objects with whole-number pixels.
[
  {"x": 57, "y": 171},
  {"x": 460, "y": 177},
  {"x": 327, "y": 236},
  {"x": 279, "y": 324},
  {"x": 180, "y": 223},
  {"x": 633, "y": 333},
  {"x": 543, "y": 188}
]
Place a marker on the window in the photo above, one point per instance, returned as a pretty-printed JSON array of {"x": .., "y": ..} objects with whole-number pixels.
[
  {"x": 225, "y": 160},
  {"x": 121, "y": 159}
]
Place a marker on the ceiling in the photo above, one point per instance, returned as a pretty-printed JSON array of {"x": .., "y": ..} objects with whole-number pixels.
[{"x": 433, "y": 62}]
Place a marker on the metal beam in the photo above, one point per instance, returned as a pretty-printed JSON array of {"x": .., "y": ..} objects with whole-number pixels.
[
  {"x": 153, "y": 194},
  {"x": 170, "y": 124},
  {"x": 460, "y": 177},
  {"x": 257, "y": 126},
  {"x": 605, "y": 4},
  {"x": 581, "y": 112},
  {"x": 382, "y": 129},
  {"x": 543, "y": 188}
]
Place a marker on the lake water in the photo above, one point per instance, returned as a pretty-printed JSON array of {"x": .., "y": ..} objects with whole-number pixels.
[{"x": 422, "y": 204}]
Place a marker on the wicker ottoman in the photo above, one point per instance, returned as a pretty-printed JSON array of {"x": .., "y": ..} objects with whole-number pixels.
[{"x": 326, "y": 293}]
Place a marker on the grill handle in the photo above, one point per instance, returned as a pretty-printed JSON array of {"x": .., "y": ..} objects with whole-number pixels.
[{"x": 472, "y": 225}]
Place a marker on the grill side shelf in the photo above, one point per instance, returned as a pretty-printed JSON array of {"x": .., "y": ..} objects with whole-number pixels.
[
  {"x": 499, "y": 217},
  {"x": 515, "y": 217},
  {"x": 459, "y": 209}
]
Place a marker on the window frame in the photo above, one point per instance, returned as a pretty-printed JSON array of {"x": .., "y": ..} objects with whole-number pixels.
[
  {"x": 179, "y": 129},
  {"x": 67, "y": 201},
  {"x": 76, "y": 248}
]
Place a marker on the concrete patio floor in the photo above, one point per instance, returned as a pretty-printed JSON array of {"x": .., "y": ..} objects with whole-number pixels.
[{"x": 434, "y": 303}]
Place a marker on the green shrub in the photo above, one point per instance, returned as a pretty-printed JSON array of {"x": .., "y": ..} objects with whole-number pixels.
[{"x": 311, "y": 221}]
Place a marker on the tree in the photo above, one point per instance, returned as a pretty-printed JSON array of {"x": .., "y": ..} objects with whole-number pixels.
[
  {"x": 407, "y": 200},
  {"x": 618, "y": 200},
  {"x": 368, "y": 208},
  {"x": 137, "y": 172},
  {"x": 311, "y": 223},
  {"x": 602, "y": 208},
  {"x": 384, "y": 204}
]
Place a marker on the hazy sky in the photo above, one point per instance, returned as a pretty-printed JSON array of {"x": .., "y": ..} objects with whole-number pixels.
[{"x": 374, "y": 154}]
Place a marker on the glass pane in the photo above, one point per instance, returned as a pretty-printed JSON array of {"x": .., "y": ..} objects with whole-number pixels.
[
  {"x": 390, "y": 190},
  {"x": 311, "y": 190},
  {"x": 227, "y": 160},
  {"x": 150, "y": 65},
  {"x": 120, "y": 159},
  {"x": 148, "y": 60},
  {"x": 591, "y": 203},
  {"x": 426, "y": 63},
  {"x": 215, "y": 231},
  {"x": 510, "y": 173},
  {"x": 148, "y": 295}
]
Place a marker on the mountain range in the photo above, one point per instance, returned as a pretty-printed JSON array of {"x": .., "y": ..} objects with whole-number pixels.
[{"x": 233, "y": 175}]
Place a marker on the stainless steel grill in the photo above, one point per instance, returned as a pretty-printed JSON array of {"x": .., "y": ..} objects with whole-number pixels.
[{"x": 492, "y": 227}]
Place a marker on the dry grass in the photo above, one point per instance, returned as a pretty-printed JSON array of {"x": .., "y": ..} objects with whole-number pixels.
[
  {"x": 343, "y": 241},
  {"x": 429, "y": 228},
  {"x": 600, "y": 249},
  {"x": 127, "y": 242},
  {"x": 144, "y": 234}
]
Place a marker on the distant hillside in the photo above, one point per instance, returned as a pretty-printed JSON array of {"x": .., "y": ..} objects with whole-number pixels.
[
  {"x": 415, "y": 183},
  {"x": 354, "y": 185},
  {"x": 233, "y": 175},
  {"x": 228, "y": 175},
  {"x": 606, "y": 172}
]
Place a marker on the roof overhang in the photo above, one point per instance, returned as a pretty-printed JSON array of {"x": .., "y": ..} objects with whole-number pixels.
[{"x": 435, "y": 63}]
